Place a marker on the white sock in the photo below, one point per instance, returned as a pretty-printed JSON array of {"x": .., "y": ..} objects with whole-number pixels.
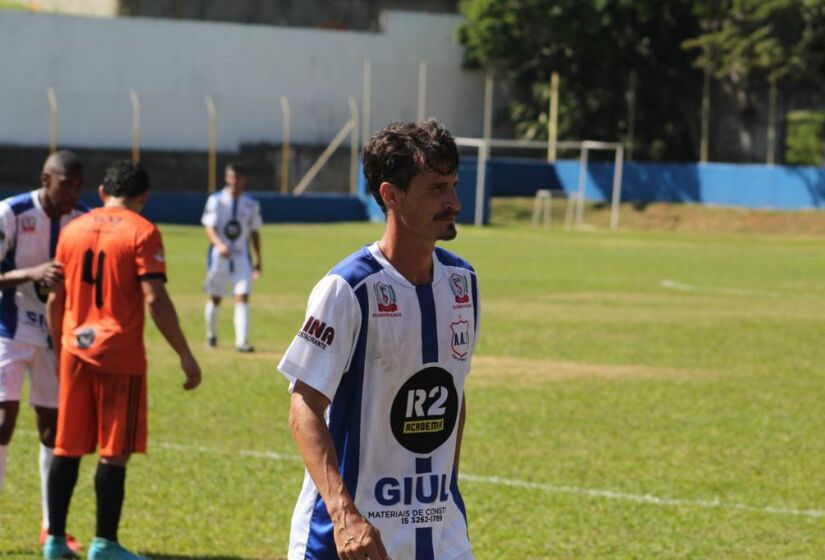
[
  {"x": 241, "y": 323},
  {"x": 4, "y": 453},
  {"x": 46, "y": 456},
  {"x": 211, "y": 314}
]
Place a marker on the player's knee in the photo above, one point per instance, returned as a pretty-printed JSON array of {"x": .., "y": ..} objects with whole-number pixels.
[{"x": 116, "y": 460}]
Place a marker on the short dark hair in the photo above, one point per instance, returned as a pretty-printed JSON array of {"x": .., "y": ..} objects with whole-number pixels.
[
  {"x": 398, "y": 152},
  {"x": 237, "y": 168},
  {"x": 69, "y": 161},
  {"x": 126, "y": 179}
]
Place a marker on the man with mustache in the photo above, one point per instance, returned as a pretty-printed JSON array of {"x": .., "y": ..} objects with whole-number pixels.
[
  {"x": 377, "y": 370},
  {"x": 30, "y": 224}
]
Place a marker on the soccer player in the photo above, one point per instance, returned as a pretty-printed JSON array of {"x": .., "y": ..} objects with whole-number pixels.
[
  {"x": 377, "y": 370},
  {"x": 29, "y": 226},
  {"x": 114, "y": 264},
  {"x": 231, "y": 219}
]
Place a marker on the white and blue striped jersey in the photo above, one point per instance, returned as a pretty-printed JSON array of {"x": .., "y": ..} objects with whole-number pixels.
[
  {"x": 392, "y": 358},
  {"x": 234, "y": 219},
  {"x": 28, "y": 237}
]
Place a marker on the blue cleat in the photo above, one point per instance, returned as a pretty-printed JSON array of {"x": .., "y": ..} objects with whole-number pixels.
[
  {"x": 56, "y": 547},
  {"x": 103, "y": 549}
]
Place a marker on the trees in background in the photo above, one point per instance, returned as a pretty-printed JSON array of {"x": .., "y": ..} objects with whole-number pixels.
[{"x": 608, "y": 51}]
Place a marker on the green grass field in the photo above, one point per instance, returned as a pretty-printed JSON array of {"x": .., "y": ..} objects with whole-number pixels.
[{"x": 634, "y": 395}]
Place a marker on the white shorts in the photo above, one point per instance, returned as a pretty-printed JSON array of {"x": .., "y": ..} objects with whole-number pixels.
[
  {"x": 222, "y": 271},
  {"x": 17, "y": 358}
]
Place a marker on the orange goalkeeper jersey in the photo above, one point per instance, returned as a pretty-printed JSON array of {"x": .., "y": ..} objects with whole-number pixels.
[{"x": 105, "y": 255}]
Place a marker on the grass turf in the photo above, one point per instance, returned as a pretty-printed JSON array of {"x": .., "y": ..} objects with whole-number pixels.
[{"x": 635, "y": 395}]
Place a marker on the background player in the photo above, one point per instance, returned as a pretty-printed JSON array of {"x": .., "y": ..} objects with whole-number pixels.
[
  {"x": 29, "y": 228},
  {"x": 378, "y": 370},
  {"x": 231, "y": 219},
  {"x": 114, "y": 262}
]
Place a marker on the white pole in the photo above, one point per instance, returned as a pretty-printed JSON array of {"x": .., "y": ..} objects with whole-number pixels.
[
  {"x": 133, "y": 97},
  {"x": 617, "y": 188},
  {"x": 488, "y": 106},
  {"x": 553, "y": 118},
  {"x": 483, "y": 152},
  {"x": 582, "y": 184},
  {"x": 285, "y": 112},
  {"x": 52, "y": 119},
  {"x": 422, "y": 90},
  {"x": 366, "y": 99},
  {"x": 353, "y": 147},
  {"x": 704, "y": 139},
  {"x": 771, "y": 154},
  {"x": 212, "y": 115},
  {"x": 323, "y": 158}
]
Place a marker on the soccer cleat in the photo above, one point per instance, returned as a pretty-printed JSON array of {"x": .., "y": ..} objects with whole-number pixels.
[
  {"x": 56, "y": 547},
  {"x": 212, "y": 341},
  {"x": 104, "y": 549},
  {"x": 245, "y": 348},
  {"x": 71, "y": 542}
]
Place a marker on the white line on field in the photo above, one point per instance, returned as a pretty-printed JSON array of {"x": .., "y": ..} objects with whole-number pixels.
[
  {"x": 682, "y": 287},
  {"x": 515, "y": 483}
]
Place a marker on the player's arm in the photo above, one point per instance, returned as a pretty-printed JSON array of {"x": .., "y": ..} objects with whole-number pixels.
[
  {"x": 165, "y": 317},
  {"x": 354, "y": 537},
  {"x": 216, "y": 240},
  {"x": 55, "y": 308},
  {"x": 49, "y": 272},
  {"x": 462, "y": 415},
  {"x": 257, "y": 264}
]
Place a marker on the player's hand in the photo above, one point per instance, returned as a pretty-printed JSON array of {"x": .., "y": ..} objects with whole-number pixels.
[
  {"x": 256, "y": 271},
  {"x": 356, "y": 539},
  {"x": 49, "y": 273},
  {"x": 224, "y": 251},
  {"x": 192, "y": 371}
]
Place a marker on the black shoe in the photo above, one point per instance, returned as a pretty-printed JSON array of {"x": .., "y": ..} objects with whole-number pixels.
[
  {"x": 212, "y": 341},
  {"x": 245, "y": 348}
]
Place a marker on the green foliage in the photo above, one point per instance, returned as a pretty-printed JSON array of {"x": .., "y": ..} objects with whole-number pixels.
[
  {"x": 762, "y": 39},
  {"x": 805, "y": 139},
  {"x": 590, "y": 375},
  {"x": 594, "y": 45}
]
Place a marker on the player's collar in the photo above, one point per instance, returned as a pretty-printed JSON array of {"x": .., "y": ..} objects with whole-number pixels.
[{"x": 375, "y": 251}]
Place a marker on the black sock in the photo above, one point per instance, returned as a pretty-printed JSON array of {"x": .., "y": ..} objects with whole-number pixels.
[
  {"x": 62, "y": 478},
  {"x": 110, "y": 483}
]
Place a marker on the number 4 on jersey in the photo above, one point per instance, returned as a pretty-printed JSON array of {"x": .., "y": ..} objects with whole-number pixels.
[{"x": 95, "y": 280}]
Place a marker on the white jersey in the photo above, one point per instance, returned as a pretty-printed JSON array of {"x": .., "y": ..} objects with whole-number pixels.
[
  {"x": 392, "y": 359},
  {"x": 28, "y": 237},
  {"x": 234, "y": 219}
]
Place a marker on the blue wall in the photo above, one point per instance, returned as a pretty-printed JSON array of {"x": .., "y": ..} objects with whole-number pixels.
[
  {"x": 187, "y": 207},
  {"x": 749, "y": 186}
]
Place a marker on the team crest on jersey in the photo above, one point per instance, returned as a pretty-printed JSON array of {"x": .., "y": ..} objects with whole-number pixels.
[
  {"x": 318, "y": 333},
  {"x": 159, "y": 255},
  {"x": 460, "y": 339},
  {"x": 85, "y": 337},
  {"x": 458, "y": 285},
  {"x": 28, "y": 224},
  {"x": 386, "y": 300}
]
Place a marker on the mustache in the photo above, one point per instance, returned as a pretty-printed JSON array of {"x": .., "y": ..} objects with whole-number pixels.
[{"x": 446, "y": 215}]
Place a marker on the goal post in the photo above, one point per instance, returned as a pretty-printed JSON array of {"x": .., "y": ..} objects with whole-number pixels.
[{"x": 483, "y": 148}]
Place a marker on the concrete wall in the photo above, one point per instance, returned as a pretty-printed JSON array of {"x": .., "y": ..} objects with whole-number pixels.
[{"x": 92, "y": 63}]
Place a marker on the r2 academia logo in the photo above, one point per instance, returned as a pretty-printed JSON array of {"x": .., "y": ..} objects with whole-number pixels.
[{"x": 424, "y": 411}]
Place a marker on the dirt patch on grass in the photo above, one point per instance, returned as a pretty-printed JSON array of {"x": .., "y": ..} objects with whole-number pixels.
[
  {"x": 673, "y": 217},
  {"x": 492, "y": 369}
]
